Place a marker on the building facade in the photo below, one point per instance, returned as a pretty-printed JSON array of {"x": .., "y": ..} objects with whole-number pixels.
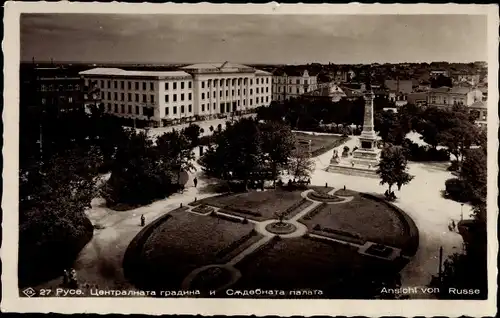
[
  {"x": 479, "y": 111},
  {"x": 292, "y": 83},
  {"x": 470, "y": 97},
  {"x": 198, "y": 91},
  {"x": 447, "y": 97},
  {"x": 50, "y": 87},
  {"x": 327, "y": 91}
]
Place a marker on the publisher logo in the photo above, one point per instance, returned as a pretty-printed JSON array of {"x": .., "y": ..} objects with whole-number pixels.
[{"x": 30, "y": 292}]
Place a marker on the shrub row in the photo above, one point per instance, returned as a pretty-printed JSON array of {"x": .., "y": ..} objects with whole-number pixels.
[
  {"x": 294, "y": 207},
  {"x": 228, "y": 249},
  {"x": 317, "y": 227},
  {"x": 322, "y": 240},
  {"x": 225, "y": 217},
  {"x": 315, "y": 211},
  {"x": 252, "y": 213}
]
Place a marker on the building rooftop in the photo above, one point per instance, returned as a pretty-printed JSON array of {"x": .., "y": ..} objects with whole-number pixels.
[
  {"x": 218, "y": 67},
  {"x": 453, "y": 90},
  {"x": 120, "y": 72},
  {"x": 478, "y": 104},
  {"x": 261, "y": 72}
]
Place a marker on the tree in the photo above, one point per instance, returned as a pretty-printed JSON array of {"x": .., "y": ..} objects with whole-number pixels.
[
  {"x": 175, "y": 149},
  {"x": 53, "y": 227},
  {"x": 301, "y": 165},
  {"x": 278, "y": 142},
  {"x": 237, "y": 153},
  {"x": 192, "y": 133},
  {"x": 474, "y": 176},
  {"x": 392, "y": 167},
  {"x": 459, "y": 133},
  {"x": 144, "y": 171}
]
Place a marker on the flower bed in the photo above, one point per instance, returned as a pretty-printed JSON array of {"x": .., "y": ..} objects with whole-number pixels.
[
  {"x": 203, "y": 209},
  {"x": 345, "y": 193},
  {"x": 323, "y": 197}
]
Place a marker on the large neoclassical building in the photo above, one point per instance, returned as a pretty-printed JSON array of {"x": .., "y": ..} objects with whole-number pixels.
[{"x": 196, "y": 91}]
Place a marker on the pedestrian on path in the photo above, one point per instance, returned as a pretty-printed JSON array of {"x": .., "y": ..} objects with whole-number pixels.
[
  {"x": 195, "y": 181},
  {"x": 143, "y": 220},
  {"x": 73, "y": 281},
  {"x": 65, "y": 278}
]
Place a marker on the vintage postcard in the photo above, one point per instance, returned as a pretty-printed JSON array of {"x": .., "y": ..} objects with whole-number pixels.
[{"x": 275, "y": 159}]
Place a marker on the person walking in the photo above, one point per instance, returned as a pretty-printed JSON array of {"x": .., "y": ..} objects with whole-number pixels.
[
  {"x": 195, "y": 181},
  {"x": 73, "y": 281},
  {"x": 65, "y": 278},
  {"x": 143, "y": 220}
]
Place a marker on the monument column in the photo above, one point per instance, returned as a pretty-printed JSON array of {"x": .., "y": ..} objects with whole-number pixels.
[{"x": 367, "y": 154}]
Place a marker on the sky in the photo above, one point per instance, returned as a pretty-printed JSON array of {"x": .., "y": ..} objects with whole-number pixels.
[{"x": 280, "y": 39}]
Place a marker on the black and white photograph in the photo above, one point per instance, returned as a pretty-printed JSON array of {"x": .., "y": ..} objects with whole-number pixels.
[{"x": 223, "y": 155}]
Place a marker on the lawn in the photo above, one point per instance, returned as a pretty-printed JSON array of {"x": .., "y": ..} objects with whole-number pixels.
[
  {"x": 321, "y": 143},
  {"x": 187, "y": 241},
  {"x": 257, "y": 205},
  {"x": 369, "y": 219},
  {"x": 304, "y": 263}
]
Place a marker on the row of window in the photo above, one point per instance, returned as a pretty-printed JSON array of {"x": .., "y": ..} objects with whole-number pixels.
[
  {"x": 69, "y": 100},
  {"x": 121, "y": 97},
  {"x": 121, "y": 84},
  {"x": 290, "y": 81},
  {"x": 174, "y": 109},
  {"x": 455, "y": 102},
  {"x": 60, "y": 88},
  {"x": 182, "y": 85},
  {"x": 234, "y": 81},
  {"x": 174, "y": 96}
]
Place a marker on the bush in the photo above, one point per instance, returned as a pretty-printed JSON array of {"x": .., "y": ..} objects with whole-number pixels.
[
  {"x": 457, "y": 190},
  {"x": 416, "y": 152}
]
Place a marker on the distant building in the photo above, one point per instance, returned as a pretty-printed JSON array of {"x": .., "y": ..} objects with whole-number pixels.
[
  {"x": 328, "y": 91},
  {"x": 291, "y": 82},
  {"x": 399, "y": 86},
  {"x": 479, "y": 110},
  {"x": 436, "y": 73},
  {"x": 463, "y": 77},
  {"x": 197, "y": 91},
  {"x": 50, "y": 87},
  {"x": 447, "y": 97},
  {"x": 417, "y": 98},
  {"x": 399, "y": 98}
]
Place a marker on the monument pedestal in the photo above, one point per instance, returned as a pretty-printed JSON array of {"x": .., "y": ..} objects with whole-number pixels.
[{"x": 365, "y": 159}]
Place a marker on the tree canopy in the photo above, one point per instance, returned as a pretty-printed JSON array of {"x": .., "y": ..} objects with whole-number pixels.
[
  {"x": 392, "y": 167},
  {"x": 248, "y": 150}
]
